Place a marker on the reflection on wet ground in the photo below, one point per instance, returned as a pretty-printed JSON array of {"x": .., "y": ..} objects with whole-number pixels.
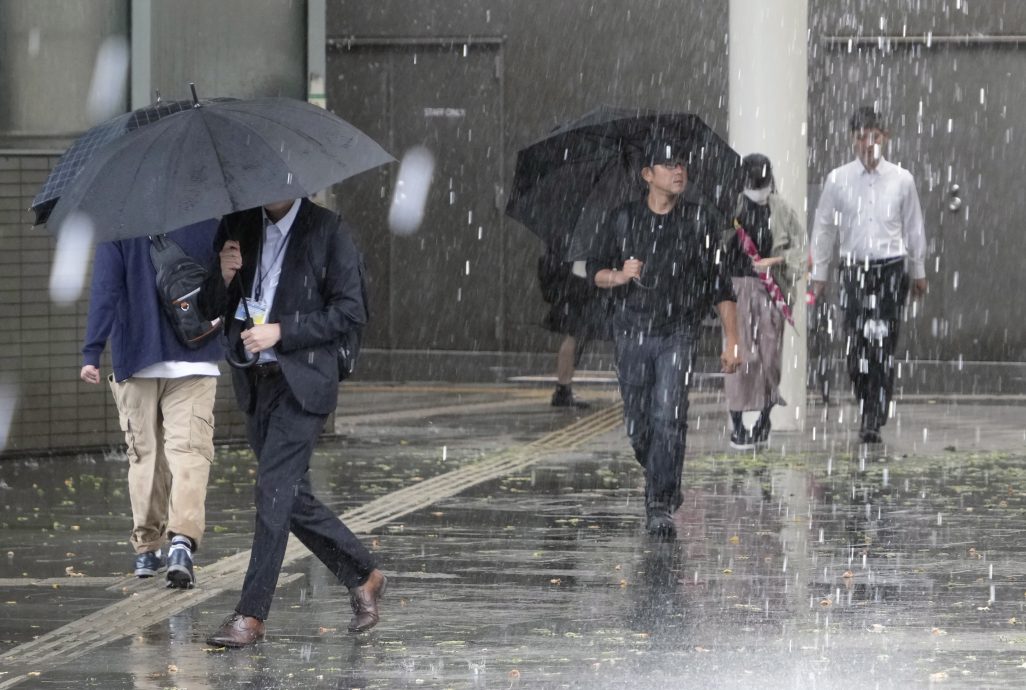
[{"x": 810, "y": 565}]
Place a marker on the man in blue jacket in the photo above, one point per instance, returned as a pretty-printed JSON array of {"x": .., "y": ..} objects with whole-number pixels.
[{"x": 164, "y": 393}]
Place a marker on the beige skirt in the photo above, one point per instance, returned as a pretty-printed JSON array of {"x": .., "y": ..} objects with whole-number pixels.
[{"x": 755, "y": 385}]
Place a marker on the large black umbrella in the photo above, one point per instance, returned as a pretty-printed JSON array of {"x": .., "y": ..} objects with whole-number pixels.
[
  {"x": 566, "y": 183},
  {"x": 211, "y": 159},
  {"x": 82, "y": 150}
]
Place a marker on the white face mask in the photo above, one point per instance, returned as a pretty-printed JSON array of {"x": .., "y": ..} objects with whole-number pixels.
[{"x": 759, "y": 196}]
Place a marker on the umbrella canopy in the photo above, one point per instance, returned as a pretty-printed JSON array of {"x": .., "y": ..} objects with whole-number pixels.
[
  {"x": 566, "y": 183},
  {"x": 79, "y": 153},
  {"x": 212, "y": 159}
]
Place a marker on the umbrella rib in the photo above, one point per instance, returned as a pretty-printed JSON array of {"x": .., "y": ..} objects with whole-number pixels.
[
  {"x": 322, "y": 114},
  {"x": 120, "y": 144},
  {"x": 220, "y": 160}
]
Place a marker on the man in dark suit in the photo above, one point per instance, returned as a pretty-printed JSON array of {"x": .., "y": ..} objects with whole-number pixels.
[{"x": 300, "y": 267}]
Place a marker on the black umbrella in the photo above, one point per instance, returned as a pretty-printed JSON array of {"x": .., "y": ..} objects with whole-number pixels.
[
  {"x": 566, "y": 183},
  {"x": 82, "y": 150},
  {"x": 211, "y": 159}
]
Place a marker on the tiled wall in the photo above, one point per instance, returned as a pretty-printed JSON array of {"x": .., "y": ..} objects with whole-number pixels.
[{"x": 40, "y": 342}]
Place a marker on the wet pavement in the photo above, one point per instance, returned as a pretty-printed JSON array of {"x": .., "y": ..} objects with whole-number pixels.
[{"x": 512, "y": 536}]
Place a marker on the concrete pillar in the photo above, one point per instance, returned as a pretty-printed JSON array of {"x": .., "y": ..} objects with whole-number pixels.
[
  {"x": 141, "y": 40},
  {"x": 316, "y": 51},
  {"x": 768, "y": 102}
]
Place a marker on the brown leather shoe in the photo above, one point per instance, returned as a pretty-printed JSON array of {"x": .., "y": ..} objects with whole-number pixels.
[
  {"x": 237, "y": 631},
  {"x": 364, "y": 600}
]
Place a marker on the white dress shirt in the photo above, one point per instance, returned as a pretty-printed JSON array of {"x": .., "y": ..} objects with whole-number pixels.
[
  {"x": 272, "y": 255},
  {"x": 877, "y": 214}
]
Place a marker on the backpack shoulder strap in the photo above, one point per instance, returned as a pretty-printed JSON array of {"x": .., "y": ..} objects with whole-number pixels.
[
  {"x": 164, "y": 250},
  {"x": 361, "y": 268}
]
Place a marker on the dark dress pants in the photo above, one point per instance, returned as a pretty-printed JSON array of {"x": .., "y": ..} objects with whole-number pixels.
[
  {"x": 654, "y": 374},
  {"x": 283, "y": 436},
  {"x": 875, "y": 293}
]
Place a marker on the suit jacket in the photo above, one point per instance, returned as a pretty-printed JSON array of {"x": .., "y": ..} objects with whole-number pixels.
[{"x": 317, "y": 300}]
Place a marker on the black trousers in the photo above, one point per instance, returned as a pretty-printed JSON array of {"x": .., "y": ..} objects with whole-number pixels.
[
  {"x": 873, "y": 300},
  {"x": 283, "y": 436}
]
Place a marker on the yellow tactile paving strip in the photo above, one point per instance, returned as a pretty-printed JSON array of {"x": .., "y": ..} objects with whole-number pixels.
[{"x": 142, "y": 609}]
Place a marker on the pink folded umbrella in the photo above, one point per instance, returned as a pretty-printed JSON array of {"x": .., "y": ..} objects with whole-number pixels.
[{"x": 764, "y": 276}]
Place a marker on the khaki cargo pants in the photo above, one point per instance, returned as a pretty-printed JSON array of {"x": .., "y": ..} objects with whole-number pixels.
[{"x": 169, "y": 430}]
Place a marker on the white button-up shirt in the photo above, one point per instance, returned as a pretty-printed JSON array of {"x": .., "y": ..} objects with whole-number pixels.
[
  {"x": 877, "y": 214},
  {"x": 272, "y": 256}
]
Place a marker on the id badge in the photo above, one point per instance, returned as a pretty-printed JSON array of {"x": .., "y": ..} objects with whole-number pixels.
[{"x": 257, "y": 311}]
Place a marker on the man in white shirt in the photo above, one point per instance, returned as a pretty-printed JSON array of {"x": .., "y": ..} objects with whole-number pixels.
[{"x": 873, "y": 206}]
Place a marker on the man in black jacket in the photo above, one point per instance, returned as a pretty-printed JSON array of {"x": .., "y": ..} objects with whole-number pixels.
[
  {"x": 300, "y": 268},
  {"x": 661, "y": 260}
]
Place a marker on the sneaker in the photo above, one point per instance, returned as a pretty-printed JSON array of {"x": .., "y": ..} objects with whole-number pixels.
[
  {"x": 660, "y": 524},
  {"x": 179, "y": 567},
  {"x": 147, "y": 564},
  {"x": 563, "y": 396},
  {"x": 742, "y": 439},
  {"x": 870, "y": 436}
]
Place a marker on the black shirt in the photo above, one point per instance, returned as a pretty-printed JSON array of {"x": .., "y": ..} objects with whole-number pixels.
[
  {"x": 755, "y": 219},
  {"x": 684, "y": 273}
]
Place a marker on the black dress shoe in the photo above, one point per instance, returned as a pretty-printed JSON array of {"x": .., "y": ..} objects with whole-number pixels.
[
  {"x": 564, "y": 397},
  {"x": 179, "y": 569},
  {"x": 364, "y": 600},
  {"x": 147, "y": 564},
  {"x": 237, "y": 631},
  {"x": 660, "y": 524}
]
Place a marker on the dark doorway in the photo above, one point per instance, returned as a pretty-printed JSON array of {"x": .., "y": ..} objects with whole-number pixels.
[
  {"x": 958, "y": 123},
  {"x": 440, "y": 287}
]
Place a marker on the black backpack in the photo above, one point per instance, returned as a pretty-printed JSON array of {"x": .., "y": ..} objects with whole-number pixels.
[
  {"x": 349, "y": 345},
  {"x": 179, "y": 280}
]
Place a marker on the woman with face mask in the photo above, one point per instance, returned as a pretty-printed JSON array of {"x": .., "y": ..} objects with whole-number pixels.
[{"x": 767, "y": 237}]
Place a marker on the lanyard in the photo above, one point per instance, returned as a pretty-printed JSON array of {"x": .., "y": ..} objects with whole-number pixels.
[{"x": 258, "y": 289}]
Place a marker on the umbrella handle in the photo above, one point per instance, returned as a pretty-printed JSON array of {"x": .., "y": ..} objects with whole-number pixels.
[{"x": 234, "y": 352}]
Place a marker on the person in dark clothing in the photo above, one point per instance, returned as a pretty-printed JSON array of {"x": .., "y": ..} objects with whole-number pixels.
[
  {"x": 575, "y": 312},
  {"x": 300, "y": 267},
  {"x": 164, "y": 392},
  {"x": 661, "y": 263}
]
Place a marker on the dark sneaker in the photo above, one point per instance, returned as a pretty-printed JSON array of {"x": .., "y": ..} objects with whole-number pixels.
[
  {"x": 742, "y": 440},
  {"x": 147, "y": 564},
  {"x": 179, "y": 568},
  {"x": 870, "y": 436},
  {"x": 660, "y": 524},
  {"x": 564, "y": 397}
]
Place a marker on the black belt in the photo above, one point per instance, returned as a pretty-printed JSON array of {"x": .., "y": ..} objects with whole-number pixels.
[
  {"x": 857, "y": 264},
  {"x": 266, "y": 370}
]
